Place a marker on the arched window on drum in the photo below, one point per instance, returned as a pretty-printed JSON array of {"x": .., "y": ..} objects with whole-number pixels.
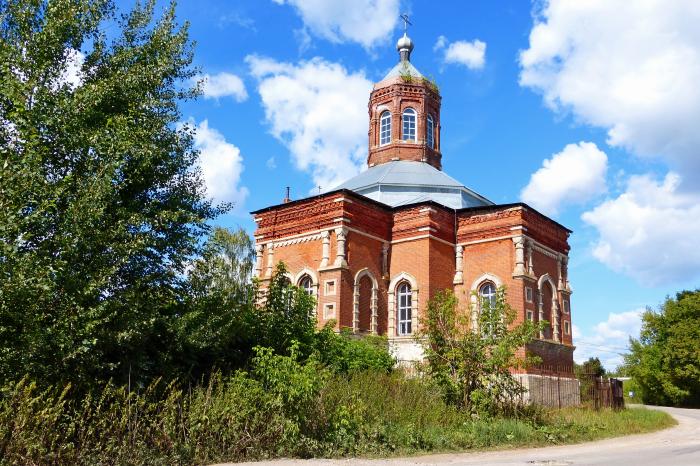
[{"x": 404, "y": 299}]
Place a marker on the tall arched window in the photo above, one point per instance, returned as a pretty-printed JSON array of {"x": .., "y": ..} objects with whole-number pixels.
[
  {"x": 307, "y": 284},
  {"x": 430, "y": 132},
  {"x": 404, "y": 309},
  {"x": 385, "y": 128},
  {"x": 487, "y": 292},
  {"x": 409, "y": 125},
  {"x": 487, "y": 295}
]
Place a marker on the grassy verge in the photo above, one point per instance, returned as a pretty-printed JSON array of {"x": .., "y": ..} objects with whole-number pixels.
[
  {"x": 282, "y": 409},
  {"x": 551, "y": 427}
]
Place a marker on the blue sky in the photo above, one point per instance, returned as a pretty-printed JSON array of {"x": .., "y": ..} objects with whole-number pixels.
[{"x": 586, "y": 110}]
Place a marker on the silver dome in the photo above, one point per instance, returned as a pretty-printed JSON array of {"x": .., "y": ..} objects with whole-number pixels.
[{"x": 404, "y": 43}]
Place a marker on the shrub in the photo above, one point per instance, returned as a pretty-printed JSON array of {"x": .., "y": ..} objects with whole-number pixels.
[
  {"x": 472, "y": 366},
  {"x": 345, "y": 353}
]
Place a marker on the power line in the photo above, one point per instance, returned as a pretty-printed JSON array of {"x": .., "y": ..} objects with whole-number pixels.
[{"x": 590, "y": 343}]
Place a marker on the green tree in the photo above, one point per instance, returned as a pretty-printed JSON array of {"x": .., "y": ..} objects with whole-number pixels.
[
  {"x": 590, "y": 368},
  {"x": 101, "y": 203},
  {"x": 216, "y": 328},
  {"x": 226, "y": 265},
  {"x": 287, "y": 314},
  {"x": 665, "y": 360},
  {"x": 473, "y": 365}
]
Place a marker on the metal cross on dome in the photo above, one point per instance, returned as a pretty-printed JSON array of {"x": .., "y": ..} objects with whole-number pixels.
[{"x": 406, "y": 22}]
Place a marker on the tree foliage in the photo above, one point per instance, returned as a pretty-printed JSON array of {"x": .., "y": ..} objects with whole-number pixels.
[
  {"x": 101, "y": 204},
  {"x": 473, "y": 365},
  {"x": 665, "y": 360},
  {"x": 590, "y": 368},
  {"x": 346, "y": 353}
]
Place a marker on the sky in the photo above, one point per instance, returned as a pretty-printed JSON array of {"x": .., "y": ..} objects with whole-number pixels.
[{"x": 587, "y": 111}]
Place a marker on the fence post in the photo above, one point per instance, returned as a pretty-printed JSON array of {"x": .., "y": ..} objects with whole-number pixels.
[{"x": 559, "y": 388}]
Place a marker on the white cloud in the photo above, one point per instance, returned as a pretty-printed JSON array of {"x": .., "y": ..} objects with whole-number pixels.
[
  {"x": 630, "y": 67},
  {"x": 650, "y": 231},
  {"x": 222, "y": 85},
  {"x": 318, "y": 110},
  {"x": 608, "y": 340},
  {"x": 470, "y": 54},
  {"x": 365, "y": 22},
  {"x": 572, "y": 176},
  {"x": 221, "y": 163},
  {"x": 440, "y": 43},
  {"x": 271, "y": 163}
]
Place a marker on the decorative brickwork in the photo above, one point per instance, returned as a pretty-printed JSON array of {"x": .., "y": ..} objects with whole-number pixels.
[
  {"x": 395, "y": 96},
  {"x": 374, "y": 268}
]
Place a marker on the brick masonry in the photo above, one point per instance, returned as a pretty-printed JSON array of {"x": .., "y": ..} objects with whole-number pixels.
[
  {"x": 372, "y": 248},
  {"x": 359, "y": 252}
]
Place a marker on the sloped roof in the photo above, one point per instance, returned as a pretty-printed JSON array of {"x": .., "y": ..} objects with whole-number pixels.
[
  {"x": 403, "y": 68},
  {"x": 403, "y": 182}
]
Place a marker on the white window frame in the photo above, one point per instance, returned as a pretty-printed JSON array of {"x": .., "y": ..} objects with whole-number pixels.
[
  {"x": 327, "y": 288},
  {"x": 404, "y": 305},
  {"x": 530, "y": 315},
  {"x": 528, "y": 294},
  {"x": 385, "y": 128},
  {"x": 430, "y": 132},
  {"x": 329, "y": 311},
  {"x": 309, "y": 287},
  {"x": 409, "y": 119},
  {"x": 567, "y": 327},
  {"x": 491, "y": 297}
]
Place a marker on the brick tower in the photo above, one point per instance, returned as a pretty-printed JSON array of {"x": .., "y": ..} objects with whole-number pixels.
[
  {"x": 375, "y": 249},
  {"x": 404, "y": 115}
]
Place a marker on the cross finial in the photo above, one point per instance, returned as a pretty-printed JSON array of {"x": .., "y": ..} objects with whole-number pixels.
[{"x": 406, "y": 22}]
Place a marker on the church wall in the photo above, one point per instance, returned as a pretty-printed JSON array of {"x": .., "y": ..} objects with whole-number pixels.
[
  {"x": 441, "y": 265},
  {"x": 366, "y": 253},
  {"x": 298, "y": 256},
  {"x": 491, "y": 261},
  {"x": 418, "y": 240},
  {"x": 412, "y": 258}
]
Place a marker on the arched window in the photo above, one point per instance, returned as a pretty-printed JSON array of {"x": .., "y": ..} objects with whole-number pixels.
[
  {"x": 385, "y": 128},
  {"x": 404, "y": 309},
  {"x": 409, "y": 125},
  {"x": 307, "y": 284},
  {"x": 487, "y": 295},
  {"x": 487, "y": 292},
  {"x": 430, "y": 132}
]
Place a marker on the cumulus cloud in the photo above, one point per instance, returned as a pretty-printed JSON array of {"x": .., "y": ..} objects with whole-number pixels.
[
  {"x": 318, "y": 110},
  {"x": 630, "y": 67},
  {"x": 221, "y": 163},
  {"x": 572, "y": 176},
  {"x": 222, "y": 85},
  {"x": 650, "y": 231},
  {"x": 470, "y": 54},
  {"x": 608, "y": 340},
  {"x": 365, "y": 22}
]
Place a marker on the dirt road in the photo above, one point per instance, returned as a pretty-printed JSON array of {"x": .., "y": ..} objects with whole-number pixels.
[{"x": 678, "y": 446}]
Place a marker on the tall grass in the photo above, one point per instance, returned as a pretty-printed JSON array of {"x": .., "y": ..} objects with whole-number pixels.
[{"x": 243, "y": 418}]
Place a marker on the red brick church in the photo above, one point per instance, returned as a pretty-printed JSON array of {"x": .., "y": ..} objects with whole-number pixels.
[{"x": 376, "y": 248}]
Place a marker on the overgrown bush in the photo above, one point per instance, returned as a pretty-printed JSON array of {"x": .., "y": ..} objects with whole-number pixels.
[
  {"x": 472, "y": 364},
  {"x": 345, "y": 352}
]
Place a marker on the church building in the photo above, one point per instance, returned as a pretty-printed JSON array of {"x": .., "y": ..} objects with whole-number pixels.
[{"x": 375, "y": 249}]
